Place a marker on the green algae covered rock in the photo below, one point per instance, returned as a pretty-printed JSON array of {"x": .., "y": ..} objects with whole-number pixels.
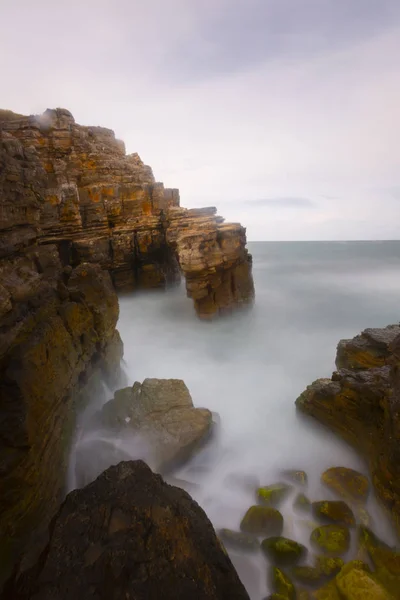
[
  {"x": 238, "y": 540},
  {"x": 386, "y": 560},
  {"x": 276, "y": 596},
  {"x": 282, "y": 584},
  {"x": 328, "y": 592},
  {"x": 262, "y": 520},
  {"x": 283, "y": 551},
  {"x": 335, "y": 511},
  {"x": 273, "y": 495},
  {"x": 328, "y": 565},
  {"x": 332, "y": 539},
  {"x": 347, "y": 483},
  {"x": 356, "y": 582},
  {"x": 296, "y": 476},
  {"x": 302, "y": 503}
]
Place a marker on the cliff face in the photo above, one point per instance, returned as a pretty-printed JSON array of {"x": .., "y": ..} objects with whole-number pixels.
[
  {"x": 99, "y": 205},
  {"x": 361, "y": 402},
  {"x": 79, "y": 218}
]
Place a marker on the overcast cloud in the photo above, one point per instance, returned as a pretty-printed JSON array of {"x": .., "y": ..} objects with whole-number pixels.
[{"x": 282, "y": 113}]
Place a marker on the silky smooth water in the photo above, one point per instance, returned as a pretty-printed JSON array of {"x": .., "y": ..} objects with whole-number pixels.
[{"x": 251, "y": 367}]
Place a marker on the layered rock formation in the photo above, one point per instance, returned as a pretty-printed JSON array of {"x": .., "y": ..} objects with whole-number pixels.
[
  {"x": 99, "y": 205},
  {"x": 130, "y": 535},
  {"x": 361, "y": 402}
]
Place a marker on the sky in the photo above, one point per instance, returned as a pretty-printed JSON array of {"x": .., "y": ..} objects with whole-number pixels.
[{"x": 285, "y": 114}]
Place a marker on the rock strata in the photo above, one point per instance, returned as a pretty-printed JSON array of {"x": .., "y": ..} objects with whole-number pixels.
[
  {"x": 83, "y": 193},
  {"x": 361, "y": 402},
  {"x": 129, "y": 535}
]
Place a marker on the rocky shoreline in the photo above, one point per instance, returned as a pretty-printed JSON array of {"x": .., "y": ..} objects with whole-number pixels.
[{"x": 81, "y": 221}]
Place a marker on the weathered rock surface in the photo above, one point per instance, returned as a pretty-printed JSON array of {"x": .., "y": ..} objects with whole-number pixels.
[
  {"x": 361, "y": 402},
  {"x": 80, "y": 191},
  {"x": 162, "y": 411},
  {"x": 57, "y": 339},
  {"x": 129, "y": 535}
]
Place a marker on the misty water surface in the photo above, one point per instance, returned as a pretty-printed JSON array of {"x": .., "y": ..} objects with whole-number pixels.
[{"x": 251, "y": 367}]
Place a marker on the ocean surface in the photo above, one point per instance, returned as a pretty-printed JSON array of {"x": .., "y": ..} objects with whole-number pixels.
[{"x": 251, "y": 367}]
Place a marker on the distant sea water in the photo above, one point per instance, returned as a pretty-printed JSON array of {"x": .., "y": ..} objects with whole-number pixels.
[{"x": 251, "y": 367}]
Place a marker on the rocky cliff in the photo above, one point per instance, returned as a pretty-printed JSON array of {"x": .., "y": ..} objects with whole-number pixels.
[
  {"x": 99, "y": 205},
  {"x": 361, "y": 402},
  {"x": 79, "y": 219},
  {"x": 130, "y": 535}
]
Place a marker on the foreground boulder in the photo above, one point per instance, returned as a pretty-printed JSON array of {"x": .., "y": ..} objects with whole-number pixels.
[
  {"x": 129, "y": 535},
  {"x": 361, "y": 402},
  {"x": 162, "y": 411}
]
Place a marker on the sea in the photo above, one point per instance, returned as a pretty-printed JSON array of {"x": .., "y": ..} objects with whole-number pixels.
[{"x": 250, "y": 367}]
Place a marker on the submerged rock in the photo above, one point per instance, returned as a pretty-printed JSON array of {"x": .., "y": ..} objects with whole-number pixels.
[
  {"x": 283, "y": 551},
  {"x": 161, "y": 410},
  {"x": 348, "y": 483},
  {"x": 282, "y": 584},
  {"x": 262, "y": 520},
  {"x": 332, "y": 539},
  {"x": 302, "y": 503},
  {"x": 296, "y": 476},
  {"x": 130, "y": 535},
  {"x": 273, "y": 495},
  {"x": 334, "y": 511},
  {"x": 238, "y": 540},
  {"x": 328, "y": 565},
  {"x": 307, "y": 575}
]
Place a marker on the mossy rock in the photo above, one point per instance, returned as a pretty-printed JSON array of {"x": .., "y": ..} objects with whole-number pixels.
[
  {"x": 296, "y": 476},
  {"x": 334, "y": 511},
  {"x": 328, "y": 592},
  {"x": 303, "y": 595},
  {"x": 262, "y": 520},
  {"x": 310, "y": 576},
  {"x": 282, "y": 584},
  {"x": 283, "y": 551},
  {"x": 302, "y": 503},
  {"x": 347, "y": 483},
  {"x": 332, "y": 539},
  {"x": 329, "y": 566},
  {"x": 276, "y": 596},
  {"x": 238, "y": 540},
  {"x": 386, "y": 560},
  {"x": 356, "y": 582},
  {"x": 273, "y": 495}
]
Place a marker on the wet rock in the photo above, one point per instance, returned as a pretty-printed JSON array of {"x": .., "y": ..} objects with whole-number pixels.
[
  {"x": 332, "y": 539},
  {"x": 302, "y": 503},
  {"x": 385, "y": 560},
  {"x": 130, "y": 535},
  {"x": 334, "y": 512},
  {"x": 282, "y": 584},
  {"x": 360, "y": 403},
  {"x": 348, "y": 483},
  {"x": 273, "y": 495},
  {"x": 283, "y": 551},
  {"x": 262, "y": 520},
  {"x": 238, "y": 540},
  {"x": 355, "y": 582},
  {"x": 161, "y": 410},
  {"x": 296, "y": 476},
  {"x": 328, "y": 565}
]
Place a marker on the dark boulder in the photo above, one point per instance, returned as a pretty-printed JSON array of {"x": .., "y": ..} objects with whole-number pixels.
[{"x": 129, "y": 535}]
